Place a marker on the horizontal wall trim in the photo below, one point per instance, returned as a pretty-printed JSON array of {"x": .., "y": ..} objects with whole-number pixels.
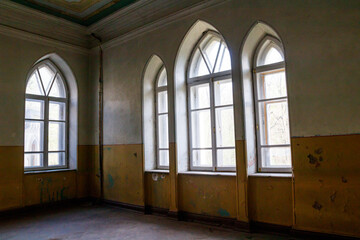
[
  {"x": 130, "y": 206},
  {"x": 35, "y": 38},
  {"x": 332, "y": 135}
]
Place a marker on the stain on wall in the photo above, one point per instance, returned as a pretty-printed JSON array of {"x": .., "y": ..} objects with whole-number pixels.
[
  {"x": 157, "y": 190},
  {"x": 124, "y": 163},
  {"x": 327, "y": 193},
  {"x": 270, "y": 200},
  {"x": 208, "y": 195}
]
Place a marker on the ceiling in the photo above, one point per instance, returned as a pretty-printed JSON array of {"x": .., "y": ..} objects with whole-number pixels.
[{"x": 84, "y": 12}]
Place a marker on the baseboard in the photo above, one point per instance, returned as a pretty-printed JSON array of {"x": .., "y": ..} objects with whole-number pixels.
[
  {"x": 215, "y": 221},
  {"x": 156, "y": 210},
  {"x": 134, "y": 207}
]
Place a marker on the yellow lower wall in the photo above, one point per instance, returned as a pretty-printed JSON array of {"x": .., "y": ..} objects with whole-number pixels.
[
  {"x": 270, "y": 200},
  {"x": 157, "y": 190},
  {"x": 208, "y": 195},
  {"x": 327, "y": 184},
  {"x": 123, "y": 174},
  {"x": 19, "y": 190}
]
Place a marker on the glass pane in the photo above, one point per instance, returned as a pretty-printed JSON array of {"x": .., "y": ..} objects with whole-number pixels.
[
  {"x": 202, "y": 158},
  {"x": 273, "y": 56},
  {"x": 198, "y": 66},
  {"x": 34, "y": 85},
  {"x": 274, "y": 124},
  {"x": 225, "y": 135},
  {"x": 56, "y": 159},
  {"x": 163, "y": 132},
  {"x": 272, "y": 84},
  {"x": 201, "y": 129},
  {"x": 210, "y": 48},
  {"x": 162, "y": 102},
  {"x": 226, "y": 158},
  {"x": 276, "y": 157},
  {"x": 34, "y": 109},
  {"x": 224, "y": 60},
  {"x": 162, "y": 78},
  {"x": 47, "y": 76},
  {"x": 34, "y": 132},
  {"x": 57, "y": 111},
  {"x": 164, "y": 158},
  {"x": 223, "y": 92},
  {"x": 33, "y": 160},
  {"x": 200, "y": 96},
  {"x": 56, "y": 136},
  {"x": 58, "y": 88}
]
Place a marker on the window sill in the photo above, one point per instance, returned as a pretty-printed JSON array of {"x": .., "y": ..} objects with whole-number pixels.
[
  {"x": 231, "y": 174},
  {"x": 157, "y": 171},
  {"x": 48, "y": 171},
  {"x": 274, "y": 175}
]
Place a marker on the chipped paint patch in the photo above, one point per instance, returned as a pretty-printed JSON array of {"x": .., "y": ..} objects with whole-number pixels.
[
  {"x": 224, "y": 212},
  {"x": 317, "y": 206},
  {"x": 110, "y": 181}
]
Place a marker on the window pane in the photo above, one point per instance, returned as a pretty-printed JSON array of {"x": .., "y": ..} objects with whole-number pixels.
[
  {"x": 56, "y": 136},
  {"x": 34, "y": 132},
  {"x": 56, "y": 159},
  {"x": 276, "y": 157},
  {"x": 198, "y": 66},
  {"x": 201, "y": 129},
  {"x": 34, "y": 85},
  {"x": 164, "y": 158},
  {"x": 226, "y": 158},
  {"x": 33, "y": 160},
  {"x": 57, "y": 111},
  {"x": 202, "y": 158},
  {"x": 224, "y": 60},
  {"x": 225, "y": 135},
  {"x": 162, "y": 102},
  {"x": 162, "y": 78},
  {"x": 163, "y": 132},
  {"x": 58, "y": 88},
  {"x": 223, "y": 92},
  {"x": 200, "y": 96},
  {"x": 210, "y": 47},
  {"x": 272, "y": 84},
  {"x": 47, "y": 76},
  {"x": 274, "y": 125},
  {"x": 34, "y": 109},
  {"x": 273, "y": 56}
]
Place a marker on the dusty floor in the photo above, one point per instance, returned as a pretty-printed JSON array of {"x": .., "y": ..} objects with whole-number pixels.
[{"x": 102, "y": 222}]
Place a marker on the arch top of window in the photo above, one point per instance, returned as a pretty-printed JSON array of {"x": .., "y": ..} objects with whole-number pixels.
[
  {"x": 162, "y": 78},
  {"x": 210, "y": 55},
  {"x": 269, "y": 51},
  {"x": 46, "y": 80}
]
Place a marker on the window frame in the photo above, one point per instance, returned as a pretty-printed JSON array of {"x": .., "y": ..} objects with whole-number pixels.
[
  {"x": 279, "y": 66},
  {"x": 208, "y": 79},
  {"x": 45, "y": 120},
  {"x": 157, "y": 115}
]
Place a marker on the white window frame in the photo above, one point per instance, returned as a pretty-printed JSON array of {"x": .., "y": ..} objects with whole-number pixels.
[
  {"x": 157, "y": 115},
  {"x": 266, "y": 43},
  {"x": 47, "y": 100},
  {"x": 208, "y": 79}
]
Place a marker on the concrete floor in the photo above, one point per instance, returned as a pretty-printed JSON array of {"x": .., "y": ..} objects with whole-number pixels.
[{"x": 103, "y": 222}]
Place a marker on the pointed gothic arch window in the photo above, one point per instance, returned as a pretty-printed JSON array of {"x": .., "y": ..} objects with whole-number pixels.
[
  {"x": 210, "y": 106},
  {"x": 46, "y": 119}
]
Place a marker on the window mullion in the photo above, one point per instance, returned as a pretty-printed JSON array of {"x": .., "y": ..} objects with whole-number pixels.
[
  {"x": 213, "y": 130},
  {"x": 46, "y": 133}
]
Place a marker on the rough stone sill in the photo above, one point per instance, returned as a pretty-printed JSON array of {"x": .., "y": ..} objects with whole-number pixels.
[
  {"x": 157, "y": 171},
  {"x": 232, "y": 174},
  {"x": 274, "y": 175},
  {"x": 48, "y": 171}
]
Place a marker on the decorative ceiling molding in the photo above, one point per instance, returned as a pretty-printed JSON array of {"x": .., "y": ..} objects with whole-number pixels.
[{"x": 33, "y": 21}]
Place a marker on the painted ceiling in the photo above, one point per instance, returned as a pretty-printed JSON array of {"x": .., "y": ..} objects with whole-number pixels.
[{"x": 84, "y": 12}]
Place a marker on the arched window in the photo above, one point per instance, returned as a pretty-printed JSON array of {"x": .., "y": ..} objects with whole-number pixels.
[
  {"x": 271, "y": 104},
  {"x": 210, "y": 106},
  {"x": 46, "y": 119},
  {"x": 162, "y": 126}
]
